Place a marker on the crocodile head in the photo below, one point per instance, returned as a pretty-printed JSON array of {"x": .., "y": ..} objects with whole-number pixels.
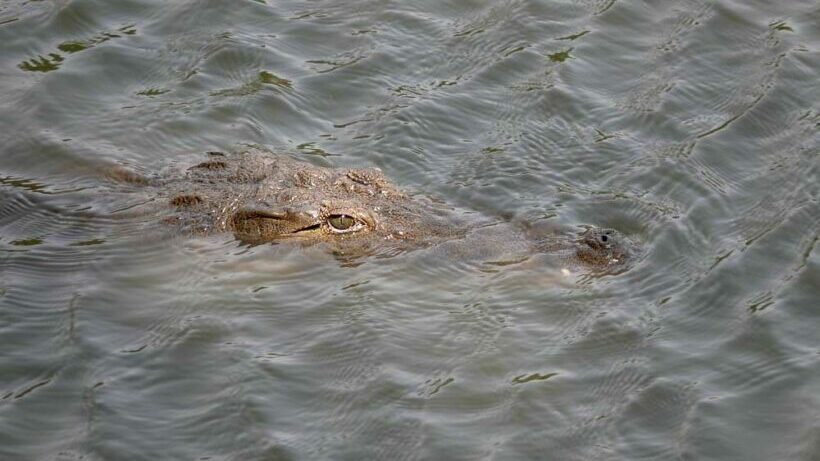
[{"x": 262, "y": 198}]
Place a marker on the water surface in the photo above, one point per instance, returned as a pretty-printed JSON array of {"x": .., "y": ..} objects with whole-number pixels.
[{"x": 691, "y": 126}]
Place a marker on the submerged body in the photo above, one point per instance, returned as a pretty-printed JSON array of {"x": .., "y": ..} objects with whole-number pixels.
[{"x": 260, "y": 197}]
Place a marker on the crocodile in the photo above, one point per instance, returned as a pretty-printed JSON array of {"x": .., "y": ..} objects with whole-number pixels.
[{"x": 261, "y": 197}]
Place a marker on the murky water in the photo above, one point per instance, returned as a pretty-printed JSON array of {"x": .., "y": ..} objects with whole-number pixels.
[{"x": 691, "y": 126}]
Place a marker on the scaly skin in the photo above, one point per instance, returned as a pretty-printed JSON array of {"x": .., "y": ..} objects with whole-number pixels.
[{"x": 264, "y": 197}]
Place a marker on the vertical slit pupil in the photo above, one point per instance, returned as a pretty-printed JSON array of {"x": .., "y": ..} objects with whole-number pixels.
[{"x": 342, "y": 222}]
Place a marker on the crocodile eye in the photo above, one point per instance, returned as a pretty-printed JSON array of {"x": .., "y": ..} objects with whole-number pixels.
[
  {"x": 343, "y": 223},
  {"x": 604, "y": 238}
]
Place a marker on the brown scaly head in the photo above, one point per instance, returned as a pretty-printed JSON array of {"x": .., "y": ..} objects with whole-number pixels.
[{"x": 261, "y": 197}]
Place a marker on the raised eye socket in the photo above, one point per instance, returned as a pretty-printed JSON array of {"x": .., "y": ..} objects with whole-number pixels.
[
  {"x": 342, "y": 222},
  {"x": 604, "y": 238}
]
